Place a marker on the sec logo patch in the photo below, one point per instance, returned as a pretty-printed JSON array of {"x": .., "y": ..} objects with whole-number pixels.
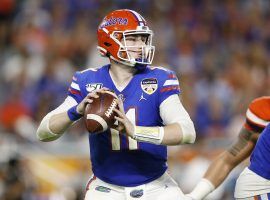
[{"x": 149, "y": 85}]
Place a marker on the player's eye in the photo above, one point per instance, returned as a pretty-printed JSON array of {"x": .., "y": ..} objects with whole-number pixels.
[
  {"x": 131, "y": 38},
  {"x": 144, "y": 39}
]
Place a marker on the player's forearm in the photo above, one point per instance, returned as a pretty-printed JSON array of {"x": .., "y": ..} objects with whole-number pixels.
[
  {"x": 53, "y": 126},
  {"x": 59, "y": 123},
  {"x": 55, "y": 123},
  {"x": 229, "y": 159},
  {"x": 214, "y": 176},
  {"x": 219, "y": 169},
  {"x": 174, "y": 134}
]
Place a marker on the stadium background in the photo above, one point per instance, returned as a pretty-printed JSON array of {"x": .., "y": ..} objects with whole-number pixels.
[{"x": 220, "y": 49}]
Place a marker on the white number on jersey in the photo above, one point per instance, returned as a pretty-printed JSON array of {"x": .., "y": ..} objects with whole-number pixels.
[{"x": 115, "y": 135}]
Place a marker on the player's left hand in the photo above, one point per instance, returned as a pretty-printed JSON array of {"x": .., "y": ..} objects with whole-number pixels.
[{"x": 124, "y": 124}]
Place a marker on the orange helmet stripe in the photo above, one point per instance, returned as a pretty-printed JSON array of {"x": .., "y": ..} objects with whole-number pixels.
[{"x": 139, "y": 18}]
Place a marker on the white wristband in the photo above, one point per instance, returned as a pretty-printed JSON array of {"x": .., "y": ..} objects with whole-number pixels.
[
  {"x": 148, "y": 134},
  {"x": 202, "y": 189}
]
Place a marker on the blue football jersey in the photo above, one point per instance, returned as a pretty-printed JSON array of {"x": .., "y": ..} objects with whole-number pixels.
[
  {"x": 116, "y": 158},
  {"x": 260, "y": 157}
]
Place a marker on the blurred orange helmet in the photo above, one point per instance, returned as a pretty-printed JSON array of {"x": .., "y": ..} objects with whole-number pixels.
[{"x": 112, "y": 34}]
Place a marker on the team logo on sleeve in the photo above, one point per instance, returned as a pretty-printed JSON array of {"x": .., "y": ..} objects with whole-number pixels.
[
  {"x": 149, "y": 85},
  {"x": 90, "y": 87}
]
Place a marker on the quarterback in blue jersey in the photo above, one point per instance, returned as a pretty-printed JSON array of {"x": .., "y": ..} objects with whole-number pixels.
[{"x": 130, "y": 161}]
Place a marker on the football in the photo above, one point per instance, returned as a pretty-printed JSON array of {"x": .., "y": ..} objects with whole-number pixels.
[{"x": 99, "y": 115}]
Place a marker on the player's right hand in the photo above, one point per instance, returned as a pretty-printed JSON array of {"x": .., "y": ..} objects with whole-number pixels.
[
  {"x": 124, "y": 123},
  {"x": 89, "y": 99}
]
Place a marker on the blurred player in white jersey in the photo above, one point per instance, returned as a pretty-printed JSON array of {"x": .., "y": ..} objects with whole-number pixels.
[
  {"x": 254, "y": 182},
  {"x": 129, "y": 162}
]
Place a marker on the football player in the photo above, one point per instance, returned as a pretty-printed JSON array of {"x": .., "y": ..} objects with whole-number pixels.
[
  {"x": 254, "y": 181},
  {"x": 128, "y": 162}
]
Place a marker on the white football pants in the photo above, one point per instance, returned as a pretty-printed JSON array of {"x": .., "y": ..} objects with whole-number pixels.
[{"x": 163, "y": 188}]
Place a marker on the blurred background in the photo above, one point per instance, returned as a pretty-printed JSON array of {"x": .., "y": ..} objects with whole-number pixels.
[{"x": 220, "y": 50}]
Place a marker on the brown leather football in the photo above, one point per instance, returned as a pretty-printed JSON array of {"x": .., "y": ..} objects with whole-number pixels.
[{"x": 99, "y": 115}]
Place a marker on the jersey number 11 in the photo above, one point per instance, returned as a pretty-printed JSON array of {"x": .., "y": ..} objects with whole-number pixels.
[{"x": 115, "y": 135}]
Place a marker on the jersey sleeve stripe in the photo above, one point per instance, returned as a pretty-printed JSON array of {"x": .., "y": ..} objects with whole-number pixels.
[
  {"x": 75, "y": 86},
  {"x": 74, "y": 91},
  {"x": 171, "y": 82},
  {"x": 254, "y": 119},
  {"x": 170, "y": 88}
]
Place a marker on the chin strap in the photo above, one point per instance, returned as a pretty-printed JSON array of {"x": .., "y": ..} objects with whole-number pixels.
[{"x": 140, "y": 67}]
